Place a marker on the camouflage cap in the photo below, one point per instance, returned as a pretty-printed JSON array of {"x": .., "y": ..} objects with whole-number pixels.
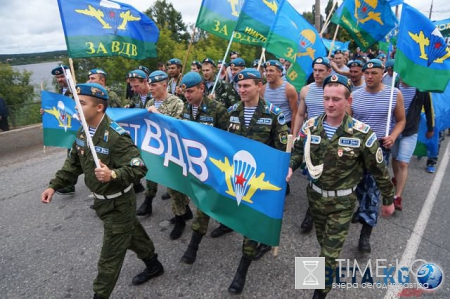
[
  {"x": 247, "y": 74},
  {"x": 322, "y": 60},
  {"x": 58, "y": 70},
  {"x": 145, "y": 69},
  {"x": 197, "y": 64},
  {"x": 157, "y": 76},
  {"x": 338, "y": 79},
  {"x": 354, "y": 63},
  {"x": 175, "y": 61},
  {"x": 191, "y": 79},
  {"x": 209, "y": 60},
  {"x": 372, "y": 64},
  {"x": 237, "y": 62},
  {"x": 275, "y": 63},
  {"x": 137, "y": 74},
  {"x": 92, "y": 89},
  {"x": 97, "y": 71}
]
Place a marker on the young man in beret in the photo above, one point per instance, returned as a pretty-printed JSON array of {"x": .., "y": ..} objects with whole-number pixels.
[
  {"x": 174, "y": 67},
  {"x": 111, "y": 185},
  {"x": 139, "y": 84},
  {"x": 344, "y": 147},
  {"x": 99, "y": 76},
  {"x": 236, "y": 65},
  {"x": 260, "y": 120},
  {"x": 196, "y": 66}
]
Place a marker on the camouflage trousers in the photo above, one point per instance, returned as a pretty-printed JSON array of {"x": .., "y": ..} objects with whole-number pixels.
[
  {"x": 178, "y": 199},
  {"x": 122, "y": 231},
  {"x": 200, "y": 222},
  {"x": 332, "y": 217}
]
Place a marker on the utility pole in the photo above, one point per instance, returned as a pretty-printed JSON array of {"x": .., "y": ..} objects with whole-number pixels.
[
  {"x": 317, "y": 15},
  {"x": 431, "y": 10}
]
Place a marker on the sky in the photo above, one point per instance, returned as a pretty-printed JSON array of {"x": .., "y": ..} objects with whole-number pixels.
[{"x": 35, "y": 26}]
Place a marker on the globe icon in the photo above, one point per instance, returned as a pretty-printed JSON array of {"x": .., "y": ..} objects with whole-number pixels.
[{"x": 430, "y": 276}]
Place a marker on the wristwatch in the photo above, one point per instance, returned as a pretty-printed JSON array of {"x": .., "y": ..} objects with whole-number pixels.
[{"x": 113, "y": 174}]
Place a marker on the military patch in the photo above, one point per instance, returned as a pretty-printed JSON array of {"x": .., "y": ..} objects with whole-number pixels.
[
  {"x": 80, "y": 142},
  {"x": 283, "y": 137},
  {"x": 371, "y": 140},
  {"x": 234, "y": 119},
  {"x": 281, "y": 119},
  {"x": 347, "y": 149},
  {"x": 310, "y": 122},
  {"x": 360, "y": 126},
  {"x": 102, "y": 150},
  {"x": 137, "y": 162},
  {"x": 264, "y": 121},
  {"x": 379, "y": 155},
  {"x": 105, "y": 136},
  {"x": 186, "y": 116},
  {"x": 238, "y": 127},
  {"x": 115, "y": 126},
  {"x": 207, "y": 118},
  {"x": 351, "y": 142},
  {"x": 315, "y": 139},
  {"x": 81, "y": 136},
  {"x": 340, "y": 152},
  {"x": 233, "y": 108}
]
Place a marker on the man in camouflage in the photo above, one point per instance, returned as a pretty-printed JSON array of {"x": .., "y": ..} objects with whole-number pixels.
[
  {"x": 337, "y": 148},
  {"x": 170, "y": 105},
  {"x": 99, "y": 76},
  {"x": 139, "y": 84},
  {"x": 201, "y": 109},
  {"x": 174, "y": 67},
  {"x": 257, "y": 119},
  {"x": 224, "y": 92},
  {"x": 111, "y": 185}
]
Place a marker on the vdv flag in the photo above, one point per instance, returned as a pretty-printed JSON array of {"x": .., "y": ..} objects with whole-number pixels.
[
  {"x": 422, "y": 56},
  {"x": 294, "y": 39},
  {"x": 107, "y": 28},
  {"x": 395, "y": 2},
  {"x": 235, "y": 180},
  {"x": 337, "y": 44},
  {"x": 366, "y": 21},
  {"x": 257, "y": 17},
  {"x": 220, "y": 17}
]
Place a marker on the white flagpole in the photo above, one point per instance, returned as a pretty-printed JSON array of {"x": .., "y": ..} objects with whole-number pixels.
[
  {"x": 390, "y": 104},
  {"x": 223, "y": 62}
]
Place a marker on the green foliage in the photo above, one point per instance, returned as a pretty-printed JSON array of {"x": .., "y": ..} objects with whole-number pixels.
[{"x": 15, "y": 86}]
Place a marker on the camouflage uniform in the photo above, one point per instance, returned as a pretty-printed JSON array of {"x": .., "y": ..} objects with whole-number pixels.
[
  {"x": 136, "y": 101},
  {"x": 273, "y": 132},
  {"x": 114, "y": 100},
  {"x": 224, "y": 92},
  {"x": 122, "y": 229},
  {"x": 353, "y": 147},
  {"x": 171, "y": 106},
  {"x": 210, "y": 113}
]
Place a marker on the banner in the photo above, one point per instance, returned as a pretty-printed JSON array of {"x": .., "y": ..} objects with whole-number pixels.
[
  {"x": 444, "y": 28},
  {"x": 107, "y": 28},
  {"x": 343, "y": 46},
  {"x": 235, "y": 180}
]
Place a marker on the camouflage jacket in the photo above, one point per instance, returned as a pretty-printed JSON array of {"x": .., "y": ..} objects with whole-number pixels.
[
  {"x": 267, "y": 124},
  {"x": 210, "y": 112},
  {"x": 114, "y": 147},
  {"x": 114, "y": 100},
  {"x": 353, "y": 147},
  {"x": 136, "y": 101},
  {"x": 224, "y": 92},
  {"x": 171, "y": 106}
]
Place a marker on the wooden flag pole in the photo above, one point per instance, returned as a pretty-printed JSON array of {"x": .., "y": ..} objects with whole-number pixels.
[
  {"x": 187, "y": 54},
  {"x": 42, "y": 88},
  {"x": 332, "y": 43},
  {"x": 327, "y": 21},
  {"x": 288, "y": 150},
  {"x": 72, "y": 70}
]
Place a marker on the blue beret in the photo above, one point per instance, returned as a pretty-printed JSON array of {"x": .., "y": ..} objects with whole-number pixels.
[
  {"x": 353, "y": 63},
  {"x": 209, "y": 60},
  {"x": 322, "y": 60},
  {"x": 255, "y": 63},
  {"x": 92, "y": 89},
  {"x": 58, "y": 70},
  {"x": 382, "y": 55},
  {"x": 157, "y": 76},
  {"x": 338, "y": 52},
  {"x": 145, "y": 69},
  {"x": 338, "y": 79},
  {"x": 97, "y": 71},
  {"x": 219, "y": 62},
  {"x": 372, "y": 64},
  {"x": 191, "y": 79},
  {"x": 197, "y": 64},
  {"x": 237, "y": 62},
  {"x": 175, "y": 61},
  {"x": 390, "y": 63},
  {"x": 274, "y": 63},
  {"x": 137, "y": 74},
  {"x": 247, "y": 74}
]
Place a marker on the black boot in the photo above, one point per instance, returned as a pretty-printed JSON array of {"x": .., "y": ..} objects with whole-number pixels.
[
  {"x": 178, "y": 229},
  {"x": 220, "y": 231},
  {"x": 261, "y": 250},
  {"x": 364, "y": 239},
  {"x": 138, "y": 187},
  {"x": 154, "y": 269},
  {"x": 97, "y": 296},
  {"x": 288, "y": 189},
  {"x": 190, "y": 254},
  {"x": 319, "y": 295},
  {"x": 146, "y": 207},
  {"x": 165, "y": 196},
  {"x": 187, "y": 216},
  {"x": 307, "y": 223},
  {"x": 355, "y": 218},
  {"x": 238, "y": 283}
]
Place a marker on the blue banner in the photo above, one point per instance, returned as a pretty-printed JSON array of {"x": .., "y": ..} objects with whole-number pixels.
[{"x": 343, "y": 46}]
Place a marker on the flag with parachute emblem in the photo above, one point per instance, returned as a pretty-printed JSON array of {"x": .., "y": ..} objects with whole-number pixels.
[
  {"x": 367, "y": 21},
  {"x": 422, "y": 57},
  {"x": 291, "y": 37},
  {"x": 94, "y": 28}
]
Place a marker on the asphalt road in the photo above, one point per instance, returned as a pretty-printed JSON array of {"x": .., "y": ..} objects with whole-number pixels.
[{"x": 51, "y": 251}]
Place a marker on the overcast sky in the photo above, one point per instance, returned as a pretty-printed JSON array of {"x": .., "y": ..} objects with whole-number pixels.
[{"x": 35, "y": 26}]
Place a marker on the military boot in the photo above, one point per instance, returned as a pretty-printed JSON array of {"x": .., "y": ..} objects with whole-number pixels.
[
  {"x": 355, "y": 217},
  {"x": 238, "y": 283},
  {"x": 154, "y": 269},
  {"x": 165, "y": 196},
  {"x": 220, "y": 231},
  {"x": 191, "y": 252},
  {"x": 97, "y": 296},
  {"x": 178, "y": 229},
  {"x": 307, "y": 223},
  {"x": 319, "y": 295},
  {"x": 146, "y": 207},
  {"x": 187, "y": 216},
  {"x": 364, "y": 239}
]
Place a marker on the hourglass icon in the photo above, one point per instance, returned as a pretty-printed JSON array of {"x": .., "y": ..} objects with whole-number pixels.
[{"x": 310, "y": 279}]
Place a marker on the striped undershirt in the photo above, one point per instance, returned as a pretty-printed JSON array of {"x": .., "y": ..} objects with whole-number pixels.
[
  {"x": 158, "y": 104},
  {"x": 92, "y": 131},
  {"x": 408, "y": 95},
  {"x": 194, "y": 111},
  {"x": 248, "y": 114},
  {"x": 314, "y": 100},
  {"x": 330, "y": 130}
]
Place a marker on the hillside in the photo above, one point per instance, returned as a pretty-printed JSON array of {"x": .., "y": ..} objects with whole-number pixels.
[{"x": 19, "y": 59}]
